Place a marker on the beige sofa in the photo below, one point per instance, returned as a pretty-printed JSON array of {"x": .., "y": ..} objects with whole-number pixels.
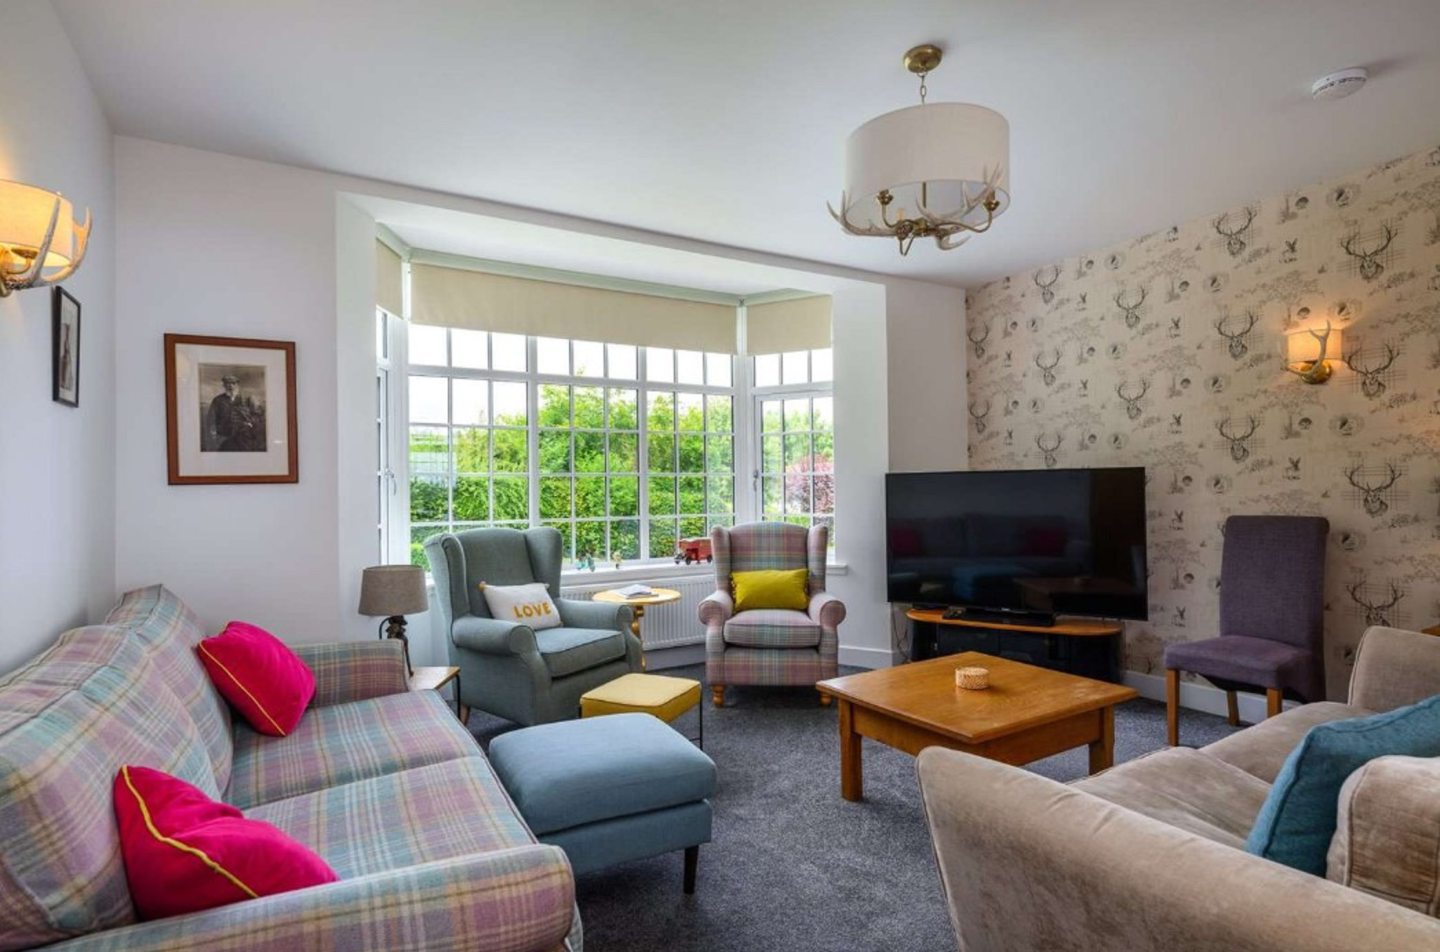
[{"x": 1149, "y": 855}]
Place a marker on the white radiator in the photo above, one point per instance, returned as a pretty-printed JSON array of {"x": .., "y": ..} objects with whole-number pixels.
[{"x": 665, "y": 626}]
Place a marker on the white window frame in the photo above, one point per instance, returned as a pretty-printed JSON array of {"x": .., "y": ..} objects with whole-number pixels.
[
  {"x": 534, "y": 380},
  {"x": 808, "y": 389}
]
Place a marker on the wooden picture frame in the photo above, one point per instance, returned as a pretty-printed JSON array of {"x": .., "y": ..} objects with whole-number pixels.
[
  {"x": 65, "y": 348},
  {"x": 230, "y": 413}
]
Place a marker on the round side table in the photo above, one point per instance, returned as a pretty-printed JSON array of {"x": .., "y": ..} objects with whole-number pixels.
[{"x": 657, "y": 596}]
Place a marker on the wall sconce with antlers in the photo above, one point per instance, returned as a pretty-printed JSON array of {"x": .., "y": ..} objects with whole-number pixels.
[
  {"x": 1307, "y": 352},
  {"x": 41, "y": 243}
]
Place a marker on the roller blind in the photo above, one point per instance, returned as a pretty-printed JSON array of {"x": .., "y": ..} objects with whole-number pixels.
[
  {"x": 454, "y": 297},
  {"x": 387, "y": 278},
  {"x": 799, "y": 324}
]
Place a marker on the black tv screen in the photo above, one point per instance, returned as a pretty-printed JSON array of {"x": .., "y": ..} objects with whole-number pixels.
[{"x": 1061, "y": 541}]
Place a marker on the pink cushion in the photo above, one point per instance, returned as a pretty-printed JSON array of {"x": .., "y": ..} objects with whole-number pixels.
[
  {"x": 259, "y": 675},
  {"x": 184, "y": 852}
]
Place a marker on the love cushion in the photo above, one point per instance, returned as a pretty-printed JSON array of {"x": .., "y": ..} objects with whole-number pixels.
[
  {"x": 184, "y": 852},
  {"x": 259, "y": 675},
  {"x": 528, "y": 604}
]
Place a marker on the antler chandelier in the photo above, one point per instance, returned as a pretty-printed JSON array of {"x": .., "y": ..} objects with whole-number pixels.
[{"x": 943, "y": 168}]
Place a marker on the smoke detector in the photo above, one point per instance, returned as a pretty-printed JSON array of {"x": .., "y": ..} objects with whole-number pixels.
[{"x": 1339, "y": 85}]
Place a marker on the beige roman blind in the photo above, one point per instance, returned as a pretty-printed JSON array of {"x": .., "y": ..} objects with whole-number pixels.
[
  {"x": 780, "y": 326},
  {"x": 388, "y": 279},
  {"x": 455, "y": 297}
]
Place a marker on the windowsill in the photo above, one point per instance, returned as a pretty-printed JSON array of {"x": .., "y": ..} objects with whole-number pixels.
[{"x": 663, "y": 569}]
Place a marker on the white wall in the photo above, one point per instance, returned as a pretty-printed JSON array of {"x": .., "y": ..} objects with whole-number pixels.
[
  {"x": 215, "y": 245},
  {"x": 57, "y": 494},
  {"x": 252, "y": 248}
]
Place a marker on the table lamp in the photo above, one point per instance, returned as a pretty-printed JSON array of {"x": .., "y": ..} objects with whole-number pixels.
[{"x": 392, "y": 592}]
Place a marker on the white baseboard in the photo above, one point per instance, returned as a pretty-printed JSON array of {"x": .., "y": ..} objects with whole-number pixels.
[
  {"x": 660, "y": 658},
  {"x": 866, "y": 657},
  {"x": 1200, "y": 697}
]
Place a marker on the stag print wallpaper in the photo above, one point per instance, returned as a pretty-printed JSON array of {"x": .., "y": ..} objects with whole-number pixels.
[{"x": 1166, "y": 351}]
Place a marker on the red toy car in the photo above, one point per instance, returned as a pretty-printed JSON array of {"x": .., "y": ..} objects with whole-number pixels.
[{"x": 693, "y": 550}]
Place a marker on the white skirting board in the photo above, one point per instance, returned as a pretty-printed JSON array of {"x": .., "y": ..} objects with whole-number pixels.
[
  {"x": 1200, "y": 697},
  {"x": 661, "y": 658}
]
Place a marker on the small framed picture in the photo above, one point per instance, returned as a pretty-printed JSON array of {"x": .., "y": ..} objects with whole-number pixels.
[
  {"x": 230, "y": 410},
  {"x": 65, "y": 349}
]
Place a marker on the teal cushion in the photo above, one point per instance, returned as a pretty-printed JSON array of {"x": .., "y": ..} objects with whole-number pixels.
[
  {"x": 1297, "y": 821},
  {"x": 569, "y": 651},
  {"x": 575, "y": 772}
]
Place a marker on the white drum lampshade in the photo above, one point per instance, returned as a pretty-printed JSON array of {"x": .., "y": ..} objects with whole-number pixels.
[
  {"x": 954, "y": 149},
  {"x": 25, "y": 215}
]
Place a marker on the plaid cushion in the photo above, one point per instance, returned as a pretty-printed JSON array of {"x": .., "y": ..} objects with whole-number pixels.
[
  {"x": 768, "y": 666},
  {"x": 355, "y": 670},
  {"x": 68, "y": 721},
  {"x": 772, "y": 628},
  {"x": 343, "y": 743},
  {"x": 516, "y": 900},
  {"x": 171, "y": 631},
  {"x": 403, "y": 819}
]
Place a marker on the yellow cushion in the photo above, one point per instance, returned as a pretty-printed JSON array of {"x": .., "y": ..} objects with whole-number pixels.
[
  {"x": 771, "y": 588},
  {"x": 666, "y": 698}
]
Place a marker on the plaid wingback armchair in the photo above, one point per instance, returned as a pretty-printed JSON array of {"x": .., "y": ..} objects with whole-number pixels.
[{"x": 770, "y": 646}]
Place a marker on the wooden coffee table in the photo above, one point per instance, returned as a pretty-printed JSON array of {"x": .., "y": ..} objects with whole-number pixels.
[{"x": 1027, "y": 713}]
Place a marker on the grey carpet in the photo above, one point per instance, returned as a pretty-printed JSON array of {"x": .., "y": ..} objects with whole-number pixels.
[{"x": 793, "y": 866}]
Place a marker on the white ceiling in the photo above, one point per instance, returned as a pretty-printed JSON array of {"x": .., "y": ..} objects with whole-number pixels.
[{"x": 726, "y": 122}]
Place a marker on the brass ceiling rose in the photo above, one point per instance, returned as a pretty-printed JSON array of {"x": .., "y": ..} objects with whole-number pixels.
[{"x": 922, "y": 59}]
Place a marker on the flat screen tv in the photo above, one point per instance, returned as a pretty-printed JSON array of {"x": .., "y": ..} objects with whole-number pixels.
[{"x": 1049, "y": 542}]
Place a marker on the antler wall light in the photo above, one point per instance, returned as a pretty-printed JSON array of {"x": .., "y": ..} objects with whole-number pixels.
[
  {"x": 943, "y": 168},
  {"x": 41, "y": 243},
  {"x": 1307, "y": 352}
]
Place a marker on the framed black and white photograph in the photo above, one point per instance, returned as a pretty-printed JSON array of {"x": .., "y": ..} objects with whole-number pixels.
[
  {"x": 65, "y": 349},
  {"x": 230, "y": 410}
]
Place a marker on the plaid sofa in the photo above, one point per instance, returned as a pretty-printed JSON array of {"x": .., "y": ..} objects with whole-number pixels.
[
  {"x": 778, "y": 646},
  {"x": 382, "y": 782}
]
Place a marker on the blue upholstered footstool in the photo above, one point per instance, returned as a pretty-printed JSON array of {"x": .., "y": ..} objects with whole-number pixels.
[{"x": 610, "y": 789}]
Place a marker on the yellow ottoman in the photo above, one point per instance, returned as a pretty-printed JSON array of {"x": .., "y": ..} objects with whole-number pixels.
[{"x": 666, "y": 698}]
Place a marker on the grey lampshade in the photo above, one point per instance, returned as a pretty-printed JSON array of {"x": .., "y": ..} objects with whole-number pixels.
[{"x": 393, "y": 590}]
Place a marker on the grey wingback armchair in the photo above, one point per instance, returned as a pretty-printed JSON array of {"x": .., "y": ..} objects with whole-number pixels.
[{"x": 507, "y": 668}]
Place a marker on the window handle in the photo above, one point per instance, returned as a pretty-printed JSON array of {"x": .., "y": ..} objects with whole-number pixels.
[{"x": 390, "y": 476}]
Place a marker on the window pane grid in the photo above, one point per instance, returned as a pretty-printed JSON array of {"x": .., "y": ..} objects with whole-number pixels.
[
  {"x": 575, "y": 438},
  {"x": 797, "y": 457}
]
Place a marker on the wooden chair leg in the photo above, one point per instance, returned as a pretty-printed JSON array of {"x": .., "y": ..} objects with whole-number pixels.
[
  {"x": 1172, "y": 706},
  {"x": 825, "y": 700},
  {"x": 1232, "y": 709},
  {"x": 692, "y": 860},
  {"x": 717, "y": 695},
  {"x": 1273, "y": 699}
]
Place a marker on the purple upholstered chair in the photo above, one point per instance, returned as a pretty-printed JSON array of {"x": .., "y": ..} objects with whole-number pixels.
[{"x": 1272, "y": 603}]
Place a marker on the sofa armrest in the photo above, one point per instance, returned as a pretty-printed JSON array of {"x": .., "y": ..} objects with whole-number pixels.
[
  {"x": 1028, "y": 863},
  {"x": 826, "y": 610},
  {"x": 1393, "y": 668},
  {"x": 1387, "y": 836},
  {"x": 516, "y": 900},
  {"x": 355, "y": 670},
  {"x": 493, "y": 636},
  {"x": 607, "y": 616},
  {"x": 717, "y": 608}
]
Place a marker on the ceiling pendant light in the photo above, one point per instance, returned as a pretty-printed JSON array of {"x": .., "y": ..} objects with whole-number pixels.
[{"x": 936, "y": 170}]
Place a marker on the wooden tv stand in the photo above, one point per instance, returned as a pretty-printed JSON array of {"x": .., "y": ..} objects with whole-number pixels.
[{"x": 1089, "y": 647}]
